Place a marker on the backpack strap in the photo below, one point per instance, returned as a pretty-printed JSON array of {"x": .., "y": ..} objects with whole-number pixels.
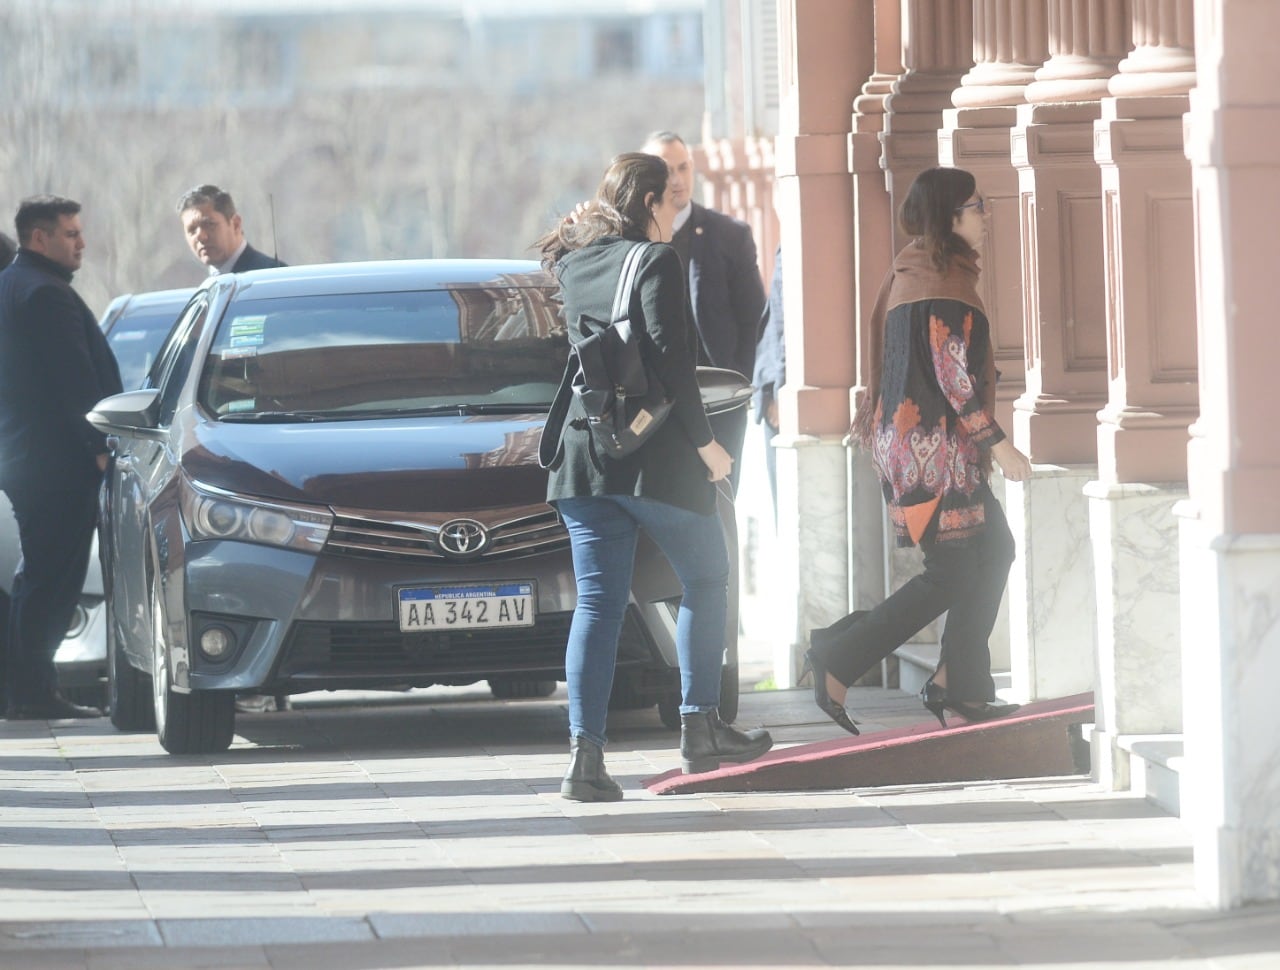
[
  {"x": 551, "y": 444},
  {"x": 627, "y": 282}
]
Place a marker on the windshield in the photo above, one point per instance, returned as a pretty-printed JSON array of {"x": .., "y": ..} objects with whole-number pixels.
[
  {"x": 469, "y": 350},
  {"x": 135, "y": 337}
]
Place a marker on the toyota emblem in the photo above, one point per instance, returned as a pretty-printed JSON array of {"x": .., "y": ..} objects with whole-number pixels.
[{"x": 463, "y": 538}]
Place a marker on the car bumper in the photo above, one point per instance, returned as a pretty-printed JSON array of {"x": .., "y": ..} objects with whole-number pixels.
[{"x": 302, "y": 622}]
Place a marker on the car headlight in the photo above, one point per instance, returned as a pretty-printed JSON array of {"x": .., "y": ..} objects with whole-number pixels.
[{"x": 211, "y": 513}]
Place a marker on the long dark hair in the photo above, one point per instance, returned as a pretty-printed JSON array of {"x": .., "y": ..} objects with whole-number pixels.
[
  {"x": 929, "y": 212},
  {"x": 618, "y": 209}
]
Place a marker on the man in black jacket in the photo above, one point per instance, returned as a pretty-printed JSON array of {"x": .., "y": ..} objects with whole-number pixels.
[
  {"x": 55, "y": 365},
  {"x": 724, "y": 296},
  {"x": 215, "y": 232}
]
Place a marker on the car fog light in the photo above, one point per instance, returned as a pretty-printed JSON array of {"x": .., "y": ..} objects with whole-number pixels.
[
  {"x": 216, "y": 641},
  {"x": 79, "y": 620}
]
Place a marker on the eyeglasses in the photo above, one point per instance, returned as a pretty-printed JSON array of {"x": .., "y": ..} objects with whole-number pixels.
[{"x": 980, "y": 205}]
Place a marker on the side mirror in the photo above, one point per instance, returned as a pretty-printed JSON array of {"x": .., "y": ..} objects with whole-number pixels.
[
  {"x": 131, "y": 413},
  {"x": 722, "y": 390}
]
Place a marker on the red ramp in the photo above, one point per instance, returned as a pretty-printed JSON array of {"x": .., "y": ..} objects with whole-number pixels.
[{"x": 1037, "y": 741}]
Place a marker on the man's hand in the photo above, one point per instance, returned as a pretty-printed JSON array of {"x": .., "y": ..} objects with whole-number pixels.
[{"x": 771, "y": 413}]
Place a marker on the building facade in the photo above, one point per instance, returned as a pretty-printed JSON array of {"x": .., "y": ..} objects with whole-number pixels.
[{"x": 1131, "y": 150}]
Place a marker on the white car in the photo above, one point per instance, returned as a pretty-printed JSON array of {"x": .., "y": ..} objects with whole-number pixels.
[{"x": 136, "y": 324}]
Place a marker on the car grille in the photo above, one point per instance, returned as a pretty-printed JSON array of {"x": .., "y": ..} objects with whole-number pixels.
[
  {"x": 536, "y": 530},
  {"x": 352, "y": 652}
]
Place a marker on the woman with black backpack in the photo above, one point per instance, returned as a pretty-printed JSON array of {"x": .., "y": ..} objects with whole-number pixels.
[{"x": 666, "y": 487}]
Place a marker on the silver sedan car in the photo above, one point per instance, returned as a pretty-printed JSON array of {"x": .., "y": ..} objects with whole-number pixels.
[
  {"x": 331, "y": 481},
  {"x": 136, "y": 325}
]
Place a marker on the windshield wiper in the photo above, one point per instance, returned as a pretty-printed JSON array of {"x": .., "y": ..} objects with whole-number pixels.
[
  {"x": 462, "y": 409},
  {"x": 278, "y": 417}
]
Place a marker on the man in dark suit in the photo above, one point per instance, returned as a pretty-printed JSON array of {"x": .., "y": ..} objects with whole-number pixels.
[
  {"x": 55, "y": 365},
  {"x": 215, "y": 232},
  {"x": 724, "y": 296},
  {"x": 8, "y": 249}
]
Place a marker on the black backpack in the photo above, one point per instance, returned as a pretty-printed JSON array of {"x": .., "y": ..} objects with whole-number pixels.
[{"x": 610, "y": 373}]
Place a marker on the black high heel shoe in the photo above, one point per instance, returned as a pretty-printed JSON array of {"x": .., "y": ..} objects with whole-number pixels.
[
  {"x": 813, "y": 664},
  {"x": 935, "y": 701}
]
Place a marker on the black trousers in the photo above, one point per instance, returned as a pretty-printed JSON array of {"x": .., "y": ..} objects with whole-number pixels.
[
  {"x": 964, "y": 579},
  {"x": 55, "y": 525}
]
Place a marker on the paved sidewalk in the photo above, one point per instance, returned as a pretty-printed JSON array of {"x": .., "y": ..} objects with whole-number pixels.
[{"x": 427, "y": 831}]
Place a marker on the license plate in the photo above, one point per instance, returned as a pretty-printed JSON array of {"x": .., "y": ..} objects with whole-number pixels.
[{"x": 433, "y": 608}]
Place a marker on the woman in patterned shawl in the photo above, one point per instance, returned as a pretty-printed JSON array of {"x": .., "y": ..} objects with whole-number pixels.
[{"x": 928, "y": 420}]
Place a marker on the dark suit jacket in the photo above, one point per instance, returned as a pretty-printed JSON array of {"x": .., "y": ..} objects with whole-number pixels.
[
  {"x": 724, "y": 288},
  {"x": 253, "y": 259},
  {"x": 55, "y": 365},
  {"x": 771, "y": 350}
]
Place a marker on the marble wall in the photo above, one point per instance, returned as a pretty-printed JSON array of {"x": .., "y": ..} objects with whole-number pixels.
[
  {"x": 1136, "y": 567},
  {"x": 1052, "y": 605},
  {"x": 1230, "y": 791}
]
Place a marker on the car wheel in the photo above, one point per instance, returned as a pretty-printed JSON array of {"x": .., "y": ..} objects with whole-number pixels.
[
  {"x": 510, "y": 690},
  {"x": 729, "y": 693},
  {"x": 669, "y": 702},
  {"x": 627, "y": 695},
  {"x": 669, "y": 710},
  {"x": 194, "y": 723},
  {"x": 128, "y": 689}
]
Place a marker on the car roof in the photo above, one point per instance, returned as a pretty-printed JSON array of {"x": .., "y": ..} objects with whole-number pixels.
[
  {"x": 390, "y": 275},
  {"x": 160, "y": 298}
]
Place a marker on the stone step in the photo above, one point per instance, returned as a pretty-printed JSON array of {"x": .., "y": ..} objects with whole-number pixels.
[
  {"x": 917, "y": 661},
  {"x": 1155, "y": 766}
]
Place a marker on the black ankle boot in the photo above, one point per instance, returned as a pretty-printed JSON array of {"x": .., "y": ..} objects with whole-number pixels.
[
  {"x": 585, "y": 780},
  {"x": 705, "y": 741}
]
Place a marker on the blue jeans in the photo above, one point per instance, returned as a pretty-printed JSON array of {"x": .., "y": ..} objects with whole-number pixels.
[{"x": 603, "y": 531}]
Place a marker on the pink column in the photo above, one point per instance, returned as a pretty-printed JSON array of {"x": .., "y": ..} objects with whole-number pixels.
[
  {"x": 1231, "y": 526},
  {"x": 937, "y": 37},
  {"x": 1150, "y": 270},
  {"x": 1148, "y": 254},
  {"x": 873, "y": 209},
  {"x": 1061, "y": 221},
  {"x": 1052, "y": 599},
  {"x": 873, "y": 253},
  {"x": 1010, "y": 41},
  {"x": 826, "y": 55}
]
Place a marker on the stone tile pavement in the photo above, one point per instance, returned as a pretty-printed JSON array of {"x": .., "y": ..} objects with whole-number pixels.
[{"x": 426, "y": 830}]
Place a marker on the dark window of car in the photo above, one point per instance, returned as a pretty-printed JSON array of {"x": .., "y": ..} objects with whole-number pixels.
[
  {"x": 134, "y": 338},
  {"x": 499, "y": 348},
  {"x": 174, "y": 360}
]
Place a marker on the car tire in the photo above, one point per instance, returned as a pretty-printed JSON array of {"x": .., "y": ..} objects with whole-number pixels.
[
  {"x": 128, "y": 689},
  {"x": 669, "y": 710},
  {"x": 200, "y": 722},
  {"x": 729, "y": 693},
  {"x": 669, "y": 702},
  {"x": 512, "y": 690},
  {"x": 627, "y": 695}
]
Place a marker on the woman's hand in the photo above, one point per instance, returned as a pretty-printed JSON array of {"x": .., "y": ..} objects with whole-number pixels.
[
  {"x": 1015, "y": 466},
  {"x": 718, "y": 461}
]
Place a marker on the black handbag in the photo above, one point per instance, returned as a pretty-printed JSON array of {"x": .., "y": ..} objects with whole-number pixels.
[{"x": 610, "y": 373}]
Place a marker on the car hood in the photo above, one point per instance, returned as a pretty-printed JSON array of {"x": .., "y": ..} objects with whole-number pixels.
[{"x": 435, "y": 464}]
